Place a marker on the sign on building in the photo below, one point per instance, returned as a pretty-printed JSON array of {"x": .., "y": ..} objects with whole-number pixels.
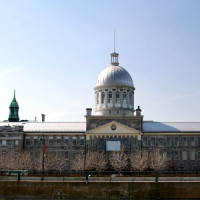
[{"x": 113, "y": 145}]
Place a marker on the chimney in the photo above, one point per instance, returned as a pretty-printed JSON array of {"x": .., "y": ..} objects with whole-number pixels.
[
  {"x": 88, "y": 111},
  {"x": 138, "y": 111},
  {"x": 43, "y": 117}
]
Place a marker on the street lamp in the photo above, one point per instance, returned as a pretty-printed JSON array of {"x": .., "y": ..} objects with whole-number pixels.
[{"x": 43, "y": 155}]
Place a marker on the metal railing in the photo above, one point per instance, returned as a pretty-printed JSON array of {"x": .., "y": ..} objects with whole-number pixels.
[{"x": 107, "y": 176}]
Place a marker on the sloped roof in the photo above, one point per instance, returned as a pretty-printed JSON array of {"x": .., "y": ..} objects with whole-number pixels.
[
  {"x": 151, "y": 126},
  {"x": 49, "y": 126},
  {"x": 148, "y": 126}
]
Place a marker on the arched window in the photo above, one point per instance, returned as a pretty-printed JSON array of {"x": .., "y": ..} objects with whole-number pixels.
[
  {"x": 110, "y": 97},
  {"x": 103, "y": 98},
  {"x": 97, "y": 98},
  {"x": 124, "y": 98},
  {"x": 130, "y": 98},
  {"x": 117, "y": 97}
]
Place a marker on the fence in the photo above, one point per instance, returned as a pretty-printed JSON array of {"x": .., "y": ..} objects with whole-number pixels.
[{"x": 107, "y": 176}]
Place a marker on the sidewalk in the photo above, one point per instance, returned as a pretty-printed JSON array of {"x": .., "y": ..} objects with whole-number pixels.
[{"x": 102, "y": 179}]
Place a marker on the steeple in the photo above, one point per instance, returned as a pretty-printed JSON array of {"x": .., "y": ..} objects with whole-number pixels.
[{"x": 14, "y": 108}]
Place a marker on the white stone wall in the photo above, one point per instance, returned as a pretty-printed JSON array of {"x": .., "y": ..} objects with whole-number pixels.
[{"x": 125, "y": 106}]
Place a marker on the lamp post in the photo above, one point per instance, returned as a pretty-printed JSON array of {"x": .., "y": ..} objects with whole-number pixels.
[
  {"x": 85, "y": 153},
  {"x": 43, "y": 155}
]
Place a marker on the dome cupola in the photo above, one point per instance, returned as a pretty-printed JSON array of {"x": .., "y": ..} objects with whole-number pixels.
[
  {"x": 114, "y": 74},
  {"x": 114, "y": 90}
]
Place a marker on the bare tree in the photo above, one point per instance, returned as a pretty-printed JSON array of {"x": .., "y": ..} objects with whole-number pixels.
[
  {"x": 37, "y": 160},
  {"x": 7, "y": 161},
  {"x": 96, "y": 160},
  {"x": 139, "y": 160},
  {"x": 78, "y": 163},
  {"x": 93, "y": 160},
  {"x": 23, "y": 161},
  {"x": 119, "y": 160},
  {"x": 158, "y": 160},
  {"x": 52, "y": 161}
]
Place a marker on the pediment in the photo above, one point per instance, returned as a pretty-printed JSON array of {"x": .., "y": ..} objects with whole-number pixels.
[{"x": 114, "y": 128}]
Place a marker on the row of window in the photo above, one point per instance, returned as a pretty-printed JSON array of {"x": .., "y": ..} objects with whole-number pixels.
[
  {"x": 117, "y": 97},
  {"x": 4, "y": 142},
  {"x": 50, "y": 140},
  {"x": 184, "y": 155},
  {"x": 169, "y": 141}
]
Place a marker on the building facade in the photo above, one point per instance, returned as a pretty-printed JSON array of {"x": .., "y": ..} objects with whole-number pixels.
[{"x": 114, "y": 123}]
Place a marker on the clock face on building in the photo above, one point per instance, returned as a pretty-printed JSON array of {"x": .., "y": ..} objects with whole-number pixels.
[{"x": 113, "y": 127}]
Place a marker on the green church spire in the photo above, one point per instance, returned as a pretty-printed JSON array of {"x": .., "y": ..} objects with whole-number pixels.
[{"x": 14, "y": 108}]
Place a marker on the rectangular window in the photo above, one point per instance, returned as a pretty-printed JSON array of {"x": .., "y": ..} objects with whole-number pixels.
[
  {"x": 50, "y": 140},
  {"x": 176, "y": 155},
  {"x": 130, "y": 98},
  {"x": 110, "y": 97},
  {"x": 82, "y": 140},
  {"x": 199, "y": 141},
  {"x": 103, "y": 98},
  {"x": 192, "y": 155},
  {"x": 35, "y": 141},
  {"x": 60, "y": 154},
  {"x": 16, "y": 142},
  {"x": 58, "y": 140},
  {"x": 199, "y": 155},
  {"x": 184, "y": 141},
  {"x": 144, "y": 141},
  {"x": 97, "y": 98},
  {"x": 92, "y": 141},
  {"x": 124, "y": 98},
  {"x": 153, "y": 141},
  {"x": 169, "y": 155},
  {"x": 74, "y": 139},
  {"x": 192, "y": 141},
  {"x": 184, "y": 155},
  {"x": 117, "y": 97},
  {"x": 176, "y": 141},
  {"x": 160, "y": 141},
  {"x": 66, "y": 155},
  {"x": 3, "y": 142},
  {"x": 169, "y": 141},
  {"x": 66, "y": 140},
  {"x": 28, "y": 141}
]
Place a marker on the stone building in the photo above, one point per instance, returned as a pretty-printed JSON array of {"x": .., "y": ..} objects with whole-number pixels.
[{"x": 114, "y": 122}]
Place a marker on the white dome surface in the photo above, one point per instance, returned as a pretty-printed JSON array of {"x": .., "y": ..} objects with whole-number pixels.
[{"x": 114, "y": 75}]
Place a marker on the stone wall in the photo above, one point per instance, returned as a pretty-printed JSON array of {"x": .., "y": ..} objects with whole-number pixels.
[
  {"x": 11, "y": 139},
  {"x": 99, "y": 190}
]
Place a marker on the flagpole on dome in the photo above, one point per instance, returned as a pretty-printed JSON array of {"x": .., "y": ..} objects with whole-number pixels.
[{"x": 114, "y": 55}]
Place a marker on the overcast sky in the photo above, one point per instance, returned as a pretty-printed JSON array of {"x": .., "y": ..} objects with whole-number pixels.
[{"x": 51, "y": 52}]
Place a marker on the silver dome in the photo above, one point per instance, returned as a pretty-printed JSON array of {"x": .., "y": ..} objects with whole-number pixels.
[{"x": 114, "y": 75}]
